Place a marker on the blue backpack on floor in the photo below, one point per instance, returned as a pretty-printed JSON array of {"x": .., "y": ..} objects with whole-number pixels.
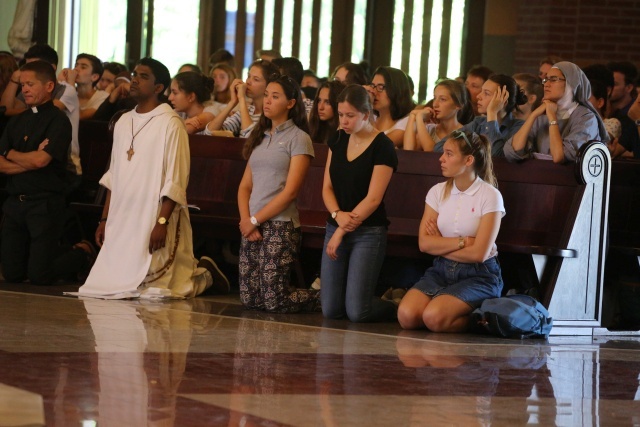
[{"x": 513, "y": 316}]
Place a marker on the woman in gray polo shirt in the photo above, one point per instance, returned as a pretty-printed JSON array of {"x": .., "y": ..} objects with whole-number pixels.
[{"x": 279, "y": 150}]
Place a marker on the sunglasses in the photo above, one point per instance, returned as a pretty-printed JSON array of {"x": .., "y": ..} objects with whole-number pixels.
[{"x": 457, "y": 134}]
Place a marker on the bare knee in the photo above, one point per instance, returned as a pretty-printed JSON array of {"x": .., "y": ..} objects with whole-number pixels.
[
  {"x": 409, "y": 317},
  {"x": 437, "y": 320}
]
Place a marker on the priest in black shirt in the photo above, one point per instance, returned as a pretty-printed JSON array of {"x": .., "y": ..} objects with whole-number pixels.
[{"x": 33, "y": 154}]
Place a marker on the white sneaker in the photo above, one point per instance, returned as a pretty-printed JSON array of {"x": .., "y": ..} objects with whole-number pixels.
[
  {"x": 220, "y": 281},
  {"x": 316, "y": 284}
]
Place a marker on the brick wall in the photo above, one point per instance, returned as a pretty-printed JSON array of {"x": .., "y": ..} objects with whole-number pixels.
[{"x": 580, "y": 31}]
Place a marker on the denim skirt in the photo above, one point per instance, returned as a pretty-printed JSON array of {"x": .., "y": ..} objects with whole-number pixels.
[{"x": 469, "y": 282}]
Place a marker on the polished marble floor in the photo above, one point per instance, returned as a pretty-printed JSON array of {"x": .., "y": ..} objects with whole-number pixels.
[{"x": 207, "y": 362}]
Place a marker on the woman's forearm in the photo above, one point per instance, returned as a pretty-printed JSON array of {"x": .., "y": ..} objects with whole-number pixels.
[{"x": 424, "y": 138}]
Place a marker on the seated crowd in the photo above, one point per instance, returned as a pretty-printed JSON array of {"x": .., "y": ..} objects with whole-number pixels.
[{"x": 281, "y": 109}]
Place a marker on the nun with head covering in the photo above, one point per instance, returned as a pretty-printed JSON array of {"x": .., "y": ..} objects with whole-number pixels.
[{"x": 563, "y": 122}]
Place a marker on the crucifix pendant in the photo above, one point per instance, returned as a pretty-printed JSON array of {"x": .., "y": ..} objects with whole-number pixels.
[{"x": 130, "y": 153}]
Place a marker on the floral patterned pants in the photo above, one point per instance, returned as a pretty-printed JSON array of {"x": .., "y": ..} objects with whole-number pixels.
[{"x": 265, "y": 271}]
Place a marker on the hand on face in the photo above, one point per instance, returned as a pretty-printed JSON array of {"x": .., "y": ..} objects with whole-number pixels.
[
  {"x": 68, "y": 75},
  {"x": 234, "y": 89},
  {"x": 63, "y": 75},
  {"x": 427, "y": 114},
  {"x": 120, "y": 92},
  {"x": 551, "y": 109},
  {"x": 498, "y": 101},
  {"x": 372, "y": 93}
]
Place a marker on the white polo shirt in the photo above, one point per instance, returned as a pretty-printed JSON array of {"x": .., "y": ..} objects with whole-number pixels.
[{"x": 460, "y": 214}]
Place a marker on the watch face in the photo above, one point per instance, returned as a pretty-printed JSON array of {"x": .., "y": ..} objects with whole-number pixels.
[{"x": 162, "y": 220}]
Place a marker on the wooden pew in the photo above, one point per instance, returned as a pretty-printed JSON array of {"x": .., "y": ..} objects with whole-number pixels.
[
  {"x": 624, "y": 205},
  {"x": 556, "y": 214},
  {"x": 95, "y": 142}
]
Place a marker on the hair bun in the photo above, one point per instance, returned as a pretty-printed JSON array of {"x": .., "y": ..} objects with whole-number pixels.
[
  {"x": 521, "y": 97},
  {"x": 208, "y": 82}
]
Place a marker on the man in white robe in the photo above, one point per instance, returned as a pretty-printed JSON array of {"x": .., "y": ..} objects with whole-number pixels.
[{"x": 145, "y": 231}]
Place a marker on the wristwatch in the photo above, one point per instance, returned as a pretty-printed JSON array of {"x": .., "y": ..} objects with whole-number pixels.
[
  {"x": 162, "y": 220},
  {"x": 334, "y": 214},
  {"x": 460, "y": 242},
  {"x": 553, "y": 122},
  {"x": 254, "y": 221}
]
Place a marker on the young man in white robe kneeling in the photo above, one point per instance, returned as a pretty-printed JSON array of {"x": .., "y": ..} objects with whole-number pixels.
[{"x": 145, "y": 230}]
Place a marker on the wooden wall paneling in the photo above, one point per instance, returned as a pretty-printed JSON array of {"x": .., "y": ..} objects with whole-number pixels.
[
  {"x": 444, "y": 39},
  {"x": 473, "y": 34},
  {"x": 241, "y": 33},
  {"x": 148, "y": 48},
  {"x": 211, "y": 31},
  {"x": 407, "y": 24},
  {"x": 258, "y": 32},
  {"x": 277, "y": 25},
  {"x": 297, "y": 25},
  {"x": 425, "y": 88},
  {"x": 380, "y": 29},
  {"x": 341, "y": 32},
  {"x": 41, "y": 23},
  {"x": 315, "y": 34},
  {"x": 135, "y": 15}
]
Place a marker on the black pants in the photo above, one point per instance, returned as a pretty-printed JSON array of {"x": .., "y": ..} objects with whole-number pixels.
[{"x": 30, "y": 241}]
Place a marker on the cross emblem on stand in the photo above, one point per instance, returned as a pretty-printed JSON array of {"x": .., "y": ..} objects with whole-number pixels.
[{"x": 595, "y": 166}]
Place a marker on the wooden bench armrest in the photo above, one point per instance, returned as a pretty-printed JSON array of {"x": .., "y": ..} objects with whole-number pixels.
[
  {"x": 537, "y": 250},
  {"x": 626, "y": 249}
]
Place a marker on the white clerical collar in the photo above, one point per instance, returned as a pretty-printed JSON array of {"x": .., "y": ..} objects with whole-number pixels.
[
  {"x": 34, "y": 110},
  {"x": 473, "y": 188}
]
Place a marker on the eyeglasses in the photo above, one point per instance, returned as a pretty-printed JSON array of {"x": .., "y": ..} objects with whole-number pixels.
[
  {"x": 553, "y": 79},
  {"x": 379, "y": 87},
  {"x": 457, "y": 134}
]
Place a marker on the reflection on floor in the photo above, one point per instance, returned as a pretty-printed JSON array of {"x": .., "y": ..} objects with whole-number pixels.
[{"x": 70, "y": 362}]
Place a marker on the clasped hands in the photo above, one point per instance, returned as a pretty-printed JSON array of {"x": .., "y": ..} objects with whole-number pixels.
[
  {"x": 548, "y": 107},
  {"x": 347, "y": 222},
  {"x": 427, "y": 114},
  {"x": 68, "y": 75},
  {"x": 249, "y": 231}
]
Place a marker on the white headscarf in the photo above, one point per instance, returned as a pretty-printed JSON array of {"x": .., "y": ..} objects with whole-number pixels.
[{"x": 577, "y": 92}]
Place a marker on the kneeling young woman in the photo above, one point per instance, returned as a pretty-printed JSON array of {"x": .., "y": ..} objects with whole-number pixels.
[
  {"x": 279, "y": 152},
  {"x": 460, "y": 223},
  {"x": 359, "y": 166}
]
